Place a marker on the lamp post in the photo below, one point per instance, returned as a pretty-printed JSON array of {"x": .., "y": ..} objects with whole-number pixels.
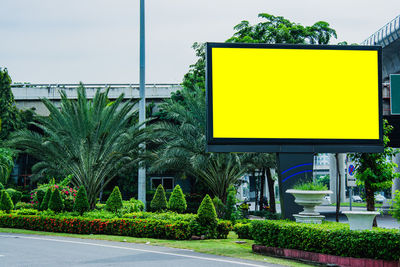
[{"x": 142, "y": 103}]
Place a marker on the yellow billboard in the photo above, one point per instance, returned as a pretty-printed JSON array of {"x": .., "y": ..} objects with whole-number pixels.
[{"x": 280, "y": 94}]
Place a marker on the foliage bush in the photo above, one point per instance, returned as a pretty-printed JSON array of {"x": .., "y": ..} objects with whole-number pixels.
[
  {"x": 81, "y": 202},
  {"x": 148, "y": 228},
  {"x": 1, "y": 186},
  {"x": 169, "y": 216},
  {"x": 311, "y": 186},
  {"x": 395, "y": 212},
  {"x": 114, "y": 201},
  {"x": 14, "y": 194},
  {"x": 67, "y": 193},
  {"x": 159, "y": 201},
  {"x": 230, "y": 206},
  {"x": 138, "y": 205},
  {"x": 45, "y": 203},
  {"x": 23, "y": 205},
  {"x": 55, "y": 202},
  {"x": 219, "y": 207},
  {"x": 27, "y": 212},
  {"x": 6, "y": 203},
  {"x": 243, "y": 230},
  {"x": 329, "y": 238},
  {"x": 206, "y": 212},
  {"x": 177, "y": 201},
  {"x": 38, "y": 197}
]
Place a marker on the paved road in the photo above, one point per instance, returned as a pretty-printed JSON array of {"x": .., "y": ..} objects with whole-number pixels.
[{"x": 33, "y": 250}]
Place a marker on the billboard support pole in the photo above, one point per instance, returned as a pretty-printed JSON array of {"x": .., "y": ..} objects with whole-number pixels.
[{"x": 293, "y": 168}]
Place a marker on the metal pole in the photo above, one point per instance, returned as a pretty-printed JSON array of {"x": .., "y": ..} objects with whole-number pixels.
[
  {"x": 351, "y": 196},
  {"x": 142, "y": 103}
]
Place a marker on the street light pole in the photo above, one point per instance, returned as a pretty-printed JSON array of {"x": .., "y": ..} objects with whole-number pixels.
[{"x": 142, "y": 103}]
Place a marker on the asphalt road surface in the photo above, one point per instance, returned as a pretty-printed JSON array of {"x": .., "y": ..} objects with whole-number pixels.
[{"x": 35, "y": 250}]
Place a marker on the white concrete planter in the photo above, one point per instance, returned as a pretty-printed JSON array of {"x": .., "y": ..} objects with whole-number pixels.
[
  {"x": 360, "y": 220},
  {"x": 308, "y": 199}
]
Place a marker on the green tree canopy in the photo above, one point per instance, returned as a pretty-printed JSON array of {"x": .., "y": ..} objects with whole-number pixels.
[{"x": 376, "y": 171}]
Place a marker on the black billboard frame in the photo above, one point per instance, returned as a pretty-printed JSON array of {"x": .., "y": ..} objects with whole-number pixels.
[{"x": 282, "y": 145}]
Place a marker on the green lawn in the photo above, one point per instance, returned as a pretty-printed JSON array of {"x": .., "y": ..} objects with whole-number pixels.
[
  {"x": 356, "y": 204},
  {"x": 222, "y": 247}
]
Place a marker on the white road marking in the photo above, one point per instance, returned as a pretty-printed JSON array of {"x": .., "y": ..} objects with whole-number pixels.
[{"x": 137, "y": 249}]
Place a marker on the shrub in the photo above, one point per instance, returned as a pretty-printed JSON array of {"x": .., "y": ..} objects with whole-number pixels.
[
  {"x": 219, "y": 206},
  {"x": 81, "y": 202},
  {"x": 395, "y": 212},
  {"x": 55, "y": 202},
  {"x": 27, "y": 212},
  {"x": 329, "y": 238},
  {"x": 68, "y": 204},
  {"x": 206, "y": 212},
  {"x": 168, "y": 216},
  {"x": 6, "y": 203},
  {"x": 311, "y": 186},
  {"x": 39, "y": 197},
  {"x": 23, "y": 205},
  {"x": 45, "y": 203},
  {"x": 223, "y": 229},
  {"x": 148, "y": 228},
  {"x": 1, "y": 186},
  {"x": 114, "y": 201},
  {"x": 138, "y": 205},
  {"x": 159, "y": 201},
  {"x": 230, "y": 206},
  {"x": 14, "y": 194},
  {"x": 243, "y": 230},
  {"x": 206, "y": 221},
  {"x": 177, "y": 200}
]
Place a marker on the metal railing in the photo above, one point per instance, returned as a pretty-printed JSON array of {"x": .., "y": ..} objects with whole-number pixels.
[{"x": 385, "y": 35}]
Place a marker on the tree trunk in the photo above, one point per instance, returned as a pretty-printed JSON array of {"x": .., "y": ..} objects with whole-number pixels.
[
  {"x": 369, "y": 195},
  {"x": 262, "y": 189},
  {"x": 270, "y": 183}
]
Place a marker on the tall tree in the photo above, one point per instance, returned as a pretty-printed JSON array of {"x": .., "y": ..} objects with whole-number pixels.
[
  {"x": 90, "y": 139},
  {"x": 376, "y": 171},
  {"x": 10, "y": 119}
]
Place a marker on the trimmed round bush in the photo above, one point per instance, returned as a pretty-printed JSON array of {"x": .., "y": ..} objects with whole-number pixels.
[
  {"x": 177, "y": 201},
  {"x": 81, "y": 202},
  {"x": 55, "y": 202},
  {"x": 114, "y": 201},
  {"x": 6, "y": 203},
  {"x": 14, "y": 194},
  {"x": 45, "y": 202},
  {"x": 159, "y": 201}
]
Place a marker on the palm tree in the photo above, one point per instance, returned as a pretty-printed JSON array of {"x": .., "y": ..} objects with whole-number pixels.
[
  {"x": 182, "y": 145},
  {"x": 92, "y": 140}
]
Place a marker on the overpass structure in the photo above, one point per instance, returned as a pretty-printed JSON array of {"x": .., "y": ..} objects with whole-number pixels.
[
  {"x": 389, "y": 38},
  {"x": 28, "y": 95}
]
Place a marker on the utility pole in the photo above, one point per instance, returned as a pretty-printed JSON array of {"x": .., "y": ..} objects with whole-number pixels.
[{"x": 142, "y": 104}]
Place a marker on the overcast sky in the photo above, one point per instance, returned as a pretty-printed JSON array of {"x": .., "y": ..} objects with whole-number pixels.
[{"x": 97, "y": 41}]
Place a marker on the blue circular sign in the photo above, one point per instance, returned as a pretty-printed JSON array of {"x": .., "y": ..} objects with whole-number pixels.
[{"x": 351, "y": 169}]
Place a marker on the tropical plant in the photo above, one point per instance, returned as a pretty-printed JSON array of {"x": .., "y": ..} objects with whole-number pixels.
[
  {"x": 159, "y": 201},
  {"x": 182, "y": 145},
  {"x": 177, "y": 201},
  {"x": 114, "y": 201},
  {"x": 90, "y": 139},
  {"x": 81, "y": 202}
]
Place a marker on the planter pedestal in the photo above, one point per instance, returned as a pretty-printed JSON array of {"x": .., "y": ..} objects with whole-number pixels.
[
  {"x": 308, "y": 199},
  {"x": 360, "y": 220}
]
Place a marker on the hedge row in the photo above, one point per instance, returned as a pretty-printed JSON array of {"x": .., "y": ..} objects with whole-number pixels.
[
  {"x": 327, "y": 238},
  {"x": 149, "y": 228}
]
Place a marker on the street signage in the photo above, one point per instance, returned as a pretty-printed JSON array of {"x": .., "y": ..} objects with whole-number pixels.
[
  {"x": 293, "y": 98},
  {"x": 351, "y": 179},
  {"x": 395, "y": 94}
]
